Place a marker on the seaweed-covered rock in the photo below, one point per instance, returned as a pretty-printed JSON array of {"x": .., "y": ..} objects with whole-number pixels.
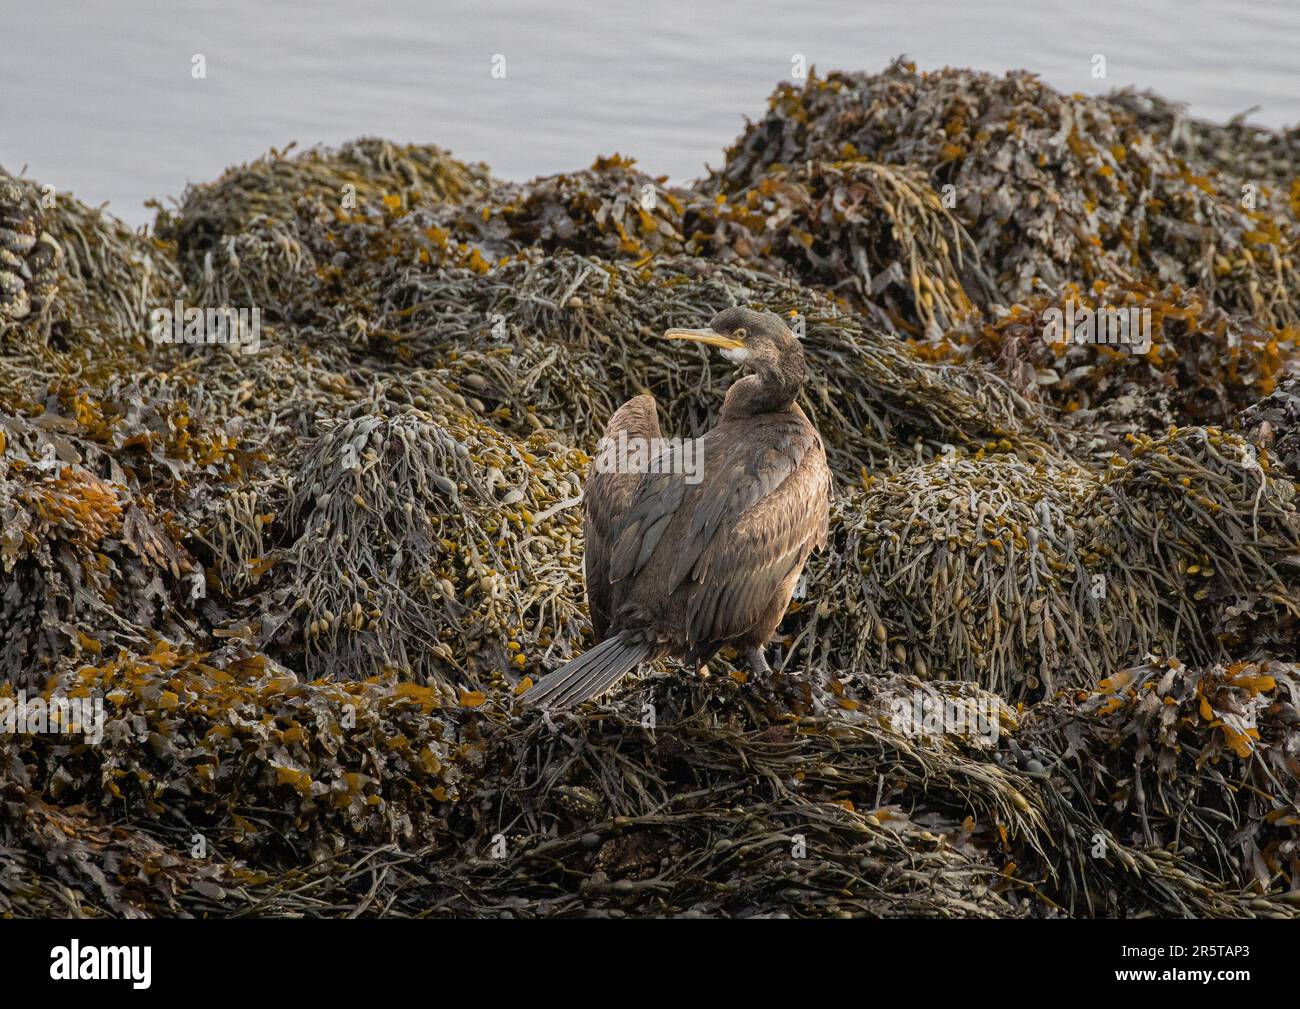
[
  {"x": 84, "y": 562},
  {"x": 1202, "y": 760},
  {"x": 432, "y": 548},
  {"x": 76, "y": 284},
  {"x": 240, "y": 749},
  {"x": 281, "y": 232},
  {"x": 29, "y": 256},
  {"x": 965, "y": 567},
  {"x": 1052, "y": 187},
  {"x": 1237, "y": 147},
  {"x": 612, "y": 210},
  {"x": 877, "y": 233},
  {"x": 1204, "y": 541},
  {"x": 1274, "y": 422},
  {"x": 103, "y": 492},
  {"x": 309, "y": 583},
  {"x": 1179, "y": 359},
  {"x": 564, "y": 342}
]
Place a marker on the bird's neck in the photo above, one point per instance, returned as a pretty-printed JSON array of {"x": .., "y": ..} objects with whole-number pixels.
[{"x": 768, "y": 391}]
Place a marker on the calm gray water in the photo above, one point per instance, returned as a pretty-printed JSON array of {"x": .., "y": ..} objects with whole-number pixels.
[{"x": 98, "y": 97}]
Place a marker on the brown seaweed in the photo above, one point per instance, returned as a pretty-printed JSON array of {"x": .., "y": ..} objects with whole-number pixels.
[{"x": 308, "y": 583}]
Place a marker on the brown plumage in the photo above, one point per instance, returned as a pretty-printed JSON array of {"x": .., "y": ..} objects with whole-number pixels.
[{"x": 694, "y": 546}]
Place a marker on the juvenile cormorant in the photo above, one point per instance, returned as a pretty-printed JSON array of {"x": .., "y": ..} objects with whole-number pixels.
[{"x": 684, "y": 559}]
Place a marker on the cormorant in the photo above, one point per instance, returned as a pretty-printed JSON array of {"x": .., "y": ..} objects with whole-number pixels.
[{"x": 681, "y": 563}]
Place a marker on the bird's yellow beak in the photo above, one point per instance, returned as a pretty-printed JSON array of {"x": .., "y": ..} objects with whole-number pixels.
[{"x": 704, "y": 336}]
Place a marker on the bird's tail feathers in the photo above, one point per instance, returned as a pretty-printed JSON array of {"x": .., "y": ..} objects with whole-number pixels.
[{"x": 590, "y": 674}]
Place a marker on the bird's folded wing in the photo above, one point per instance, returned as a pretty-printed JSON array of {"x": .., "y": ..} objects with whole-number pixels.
[
  {"x": 656, "y": 501},
  {"x": 739, "y": 561},
  {"x": 607, "y": 495}
]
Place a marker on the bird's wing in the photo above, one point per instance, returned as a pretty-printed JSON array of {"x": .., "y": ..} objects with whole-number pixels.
[
  {"x": 750, "y": 543},
  {"x": 606, "y": 497},
  {"x": 736, "y": 535},
  {"x": 658, "y": 497}
]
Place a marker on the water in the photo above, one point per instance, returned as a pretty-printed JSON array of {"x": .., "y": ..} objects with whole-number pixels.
[{"x": 98, "y": 98}]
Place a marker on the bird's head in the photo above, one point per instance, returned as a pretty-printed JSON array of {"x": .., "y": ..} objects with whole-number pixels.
[{"x": 760, "y": 340}]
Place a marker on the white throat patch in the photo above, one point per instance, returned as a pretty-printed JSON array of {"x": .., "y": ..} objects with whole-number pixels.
[{"x": 736, "y": 355}]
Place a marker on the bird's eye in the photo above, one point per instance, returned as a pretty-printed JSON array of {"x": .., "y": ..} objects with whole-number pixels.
[{"x": 739, "y": 334}]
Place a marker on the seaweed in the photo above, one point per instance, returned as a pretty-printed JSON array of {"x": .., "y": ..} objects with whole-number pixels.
[
  {"x": 875, "y": 233},
  {"x": 1207, "y": 537},
  {"x": 1170, "y": 755},
  {"x": 972, "y": 567},
  {"x": 1202, "y": 366},
  {"x": 280, "y": 231},
  {"x": 611, "y": 210},
  {"x": 497, "y": 339},
  {"x": 1274, "y": 425},
  {"x": 308, "y": 584},
  {"x": 418, "y": 543},
  {"x": 1052, "y": 188},
  {"x": 1236, "y": 147}
]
